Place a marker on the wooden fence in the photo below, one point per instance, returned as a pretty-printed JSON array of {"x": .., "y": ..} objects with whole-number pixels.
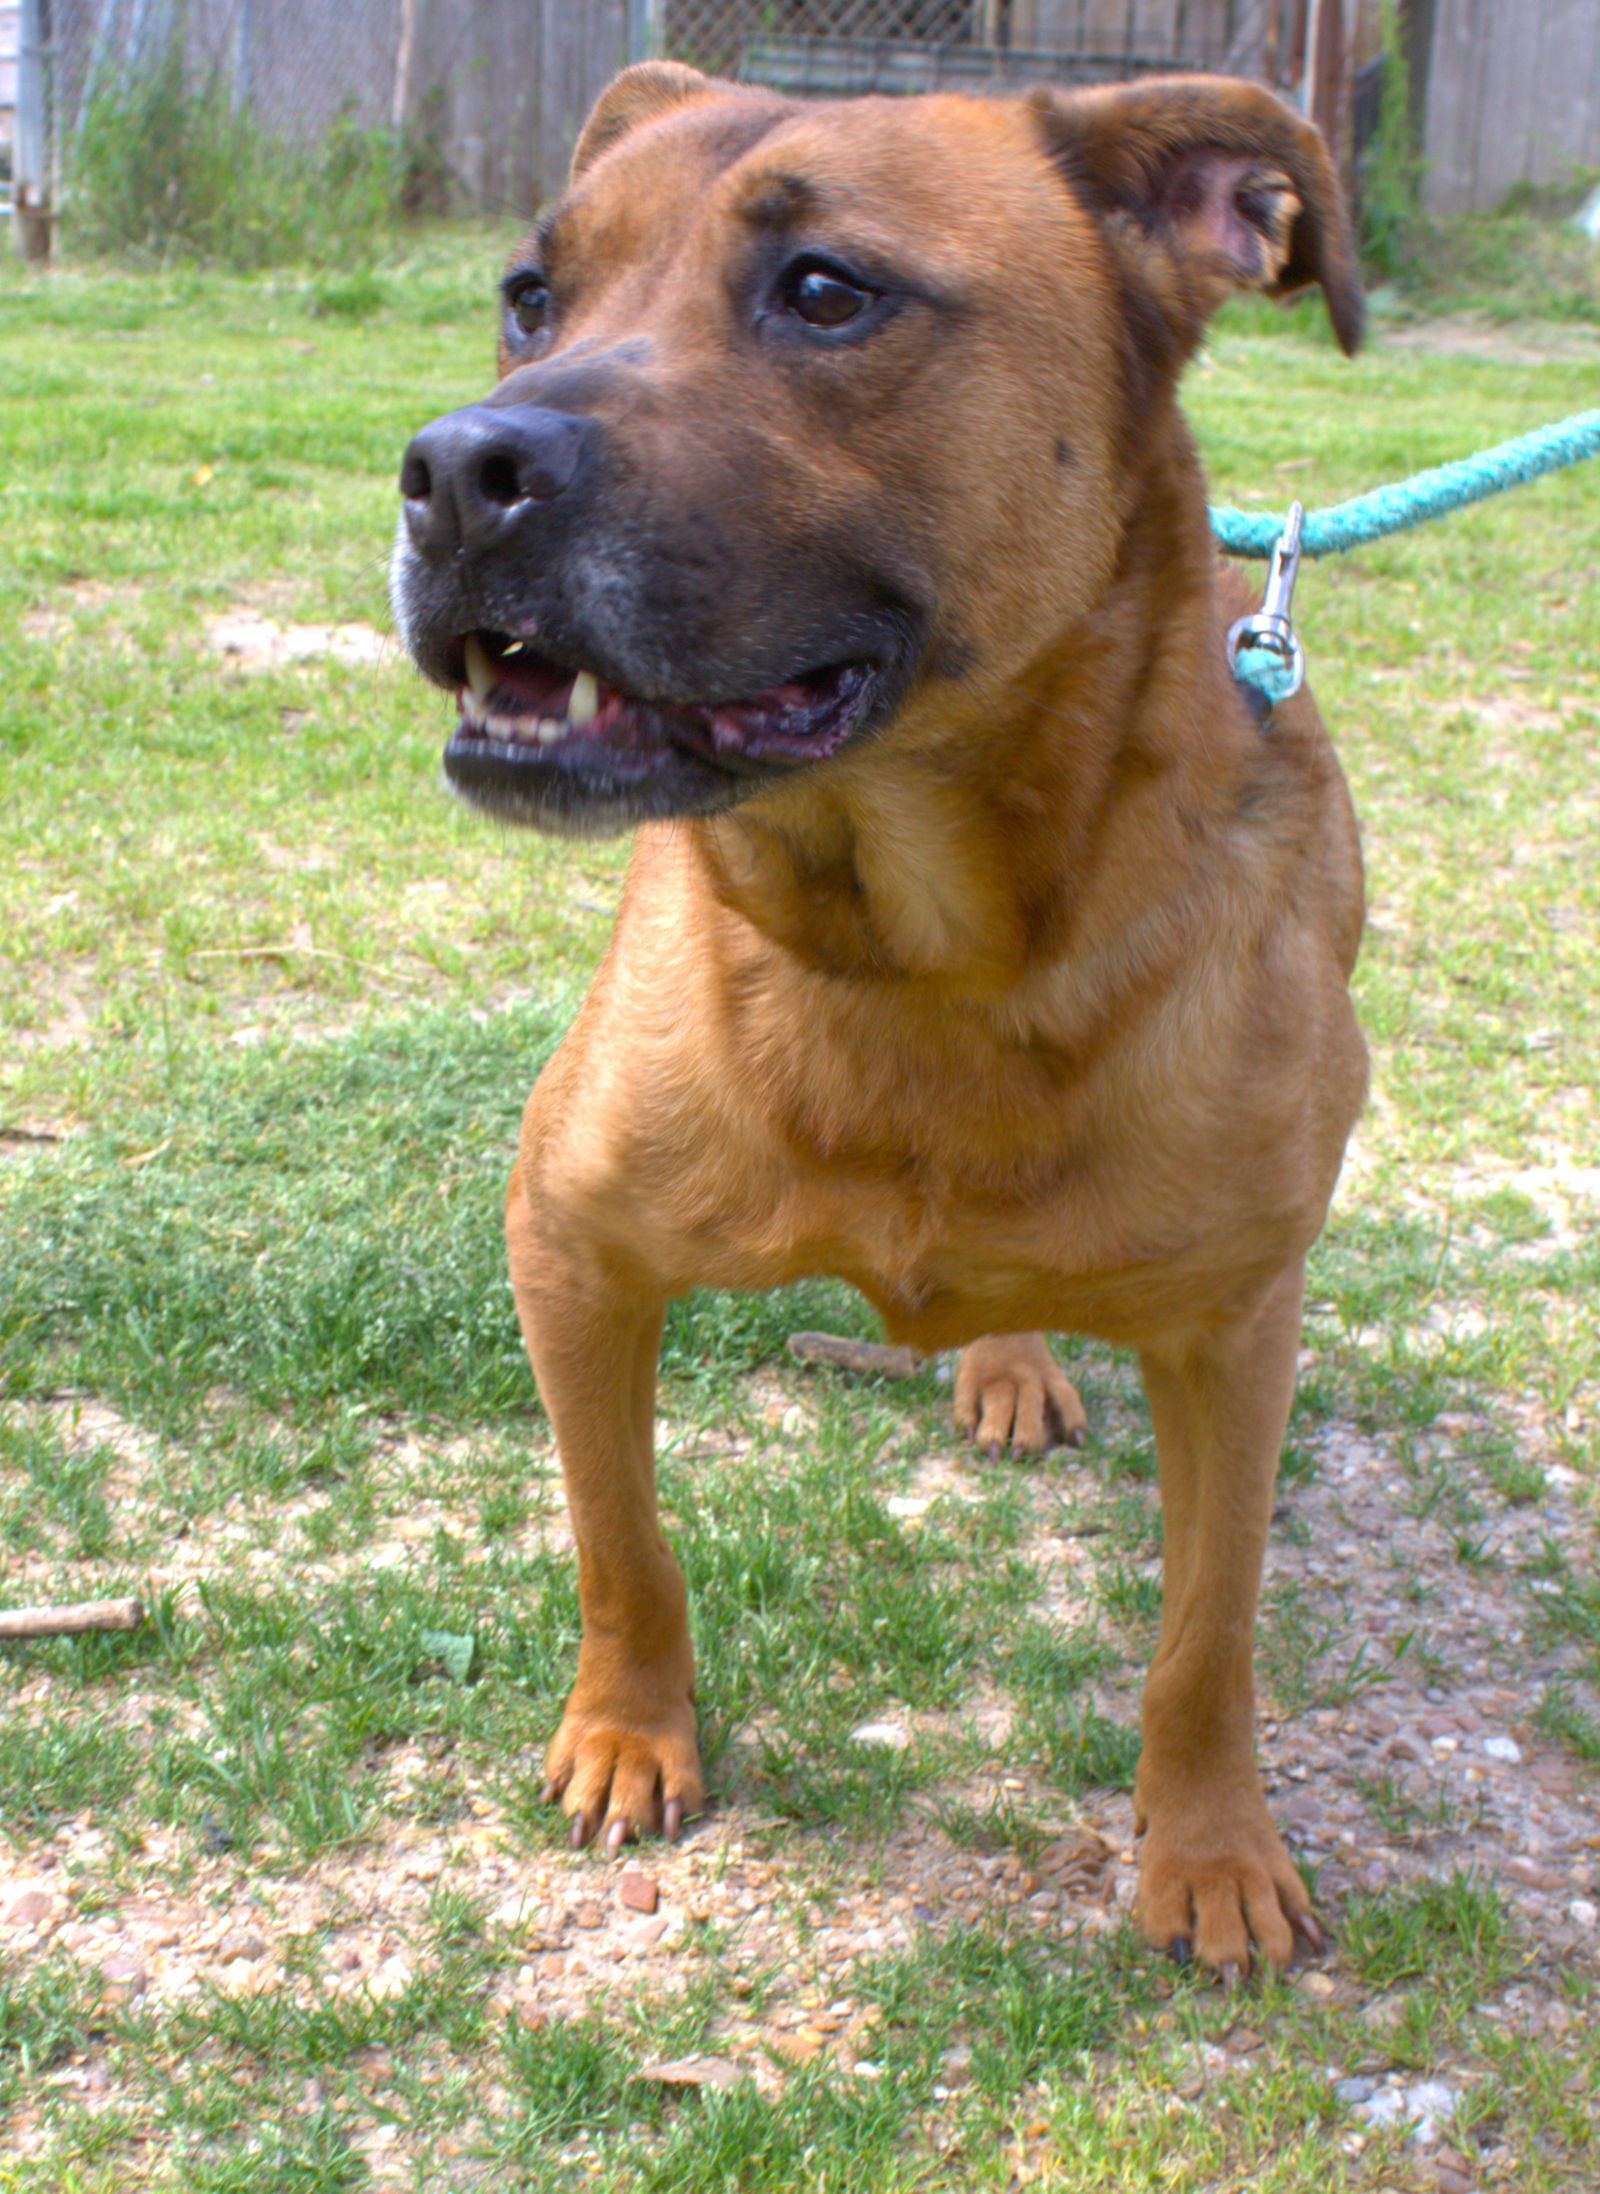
[
  {"x": 1511, "y": 94},
  {"x": 1506, "y": 91}
]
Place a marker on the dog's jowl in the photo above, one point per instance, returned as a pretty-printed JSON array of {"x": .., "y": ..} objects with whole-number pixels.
[{"x": 834, "y": 521}]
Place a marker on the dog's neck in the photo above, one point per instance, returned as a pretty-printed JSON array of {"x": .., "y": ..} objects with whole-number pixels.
[{"x": 918, "y": 861}]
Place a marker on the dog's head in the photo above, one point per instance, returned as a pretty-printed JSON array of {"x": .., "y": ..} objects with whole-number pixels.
[{"x": 804, "y": 409}]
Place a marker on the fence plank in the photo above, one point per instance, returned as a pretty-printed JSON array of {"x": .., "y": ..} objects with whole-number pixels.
[
  {"x": 582, "y": 49},
  {"x": 1513, "y": 95},
  {"x": 1564, "y": 124},
  {"x": 1455, "y": 91},
  {"x": 1507, "y": 115}
]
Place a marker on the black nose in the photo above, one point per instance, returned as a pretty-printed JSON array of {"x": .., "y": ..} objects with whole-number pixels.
[{"x": 472, "y": 476}]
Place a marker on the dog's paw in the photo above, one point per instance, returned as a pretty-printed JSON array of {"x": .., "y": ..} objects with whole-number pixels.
[
  {"x": 1011, "y": 1392},
  {"x": 620, "y": 1772},
  {"x": 1230, "y": 1901}
]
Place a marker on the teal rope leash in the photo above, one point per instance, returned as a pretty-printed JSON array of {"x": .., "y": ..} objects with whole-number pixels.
[
  {"x": 1425, "y": 495},
  {"x": 1262, "y": 649}
]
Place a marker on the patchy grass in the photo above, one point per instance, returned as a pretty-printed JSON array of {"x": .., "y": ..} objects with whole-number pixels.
[{"x": 272, "y": 1006}]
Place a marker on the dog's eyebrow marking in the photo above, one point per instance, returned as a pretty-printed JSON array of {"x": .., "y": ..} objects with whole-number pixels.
[
  {"x": 540, "y": 247},
  {"x": 778, "y": 202}
]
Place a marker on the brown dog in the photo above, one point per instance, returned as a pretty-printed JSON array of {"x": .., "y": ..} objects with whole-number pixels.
[{"x": 835, "y": 504}]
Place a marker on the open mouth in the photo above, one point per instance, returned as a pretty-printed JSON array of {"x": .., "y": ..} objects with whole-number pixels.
[{"x": 523, "y": 708}]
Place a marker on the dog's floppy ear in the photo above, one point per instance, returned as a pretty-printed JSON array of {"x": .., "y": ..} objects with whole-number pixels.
[
  {"x": 1205, "y": 184},
  {"x": 639, "y": 94}
]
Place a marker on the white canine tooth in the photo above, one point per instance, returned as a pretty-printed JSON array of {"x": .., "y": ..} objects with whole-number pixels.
[
  {"x": 480, "y": 673},
  {"x": 584, "y": 705},
  {"x": 474, "y": 709},
  {"x": 550, "y": 730}
]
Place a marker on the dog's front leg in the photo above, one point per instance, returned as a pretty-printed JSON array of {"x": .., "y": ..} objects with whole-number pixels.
[
  {"x": 1214, "y": 1874},
  {"x": 624, "y": 1759}
]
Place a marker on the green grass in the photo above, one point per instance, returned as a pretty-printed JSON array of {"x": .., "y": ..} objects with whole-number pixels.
[
  {"x": 1452, "y": 1931},
  {"x": 272, "y": 1005}
]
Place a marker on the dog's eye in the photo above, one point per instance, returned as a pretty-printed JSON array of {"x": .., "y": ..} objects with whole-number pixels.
[
  {"x": 823, "y": 297},
  {"x": 528, "y": 303}
]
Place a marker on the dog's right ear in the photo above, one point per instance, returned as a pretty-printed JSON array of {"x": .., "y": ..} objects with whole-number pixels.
[{"x": 640, "y": 94}]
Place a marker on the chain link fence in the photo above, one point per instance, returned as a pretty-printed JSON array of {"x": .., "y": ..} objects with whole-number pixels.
[{"x": 839, "y": 47}]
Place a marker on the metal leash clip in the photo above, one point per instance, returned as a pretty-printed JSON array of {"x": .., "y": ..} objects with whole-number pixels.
[{"x": 1268, "y": 631}]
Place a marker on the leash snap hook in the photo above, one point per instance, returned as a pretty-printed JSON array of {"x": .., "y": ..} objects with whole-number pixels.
[{"x": 1262, "y": 648}]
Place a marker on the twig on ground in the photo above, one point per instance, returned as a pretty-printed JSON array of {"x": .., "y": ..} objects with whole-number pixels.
[
  {"x": 70, "y": 1618},
  {"x": 873, "y": 1359}
]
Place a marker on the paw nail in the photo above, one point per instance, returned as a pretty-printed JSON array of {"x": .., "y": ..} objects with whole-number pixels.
[
  {"x": 1180, "y": 1950},
  {"x": 547, "y": 1796},
  {"x": 994, "y": 1451},
  {"x": 672, "y": 1820},
  {"x": 1311, "y": 1935},
  {"x": 1228, "y": 1975},
  {"x": 580, "y": 1831},
  {"x": 617, "y": 1836}
]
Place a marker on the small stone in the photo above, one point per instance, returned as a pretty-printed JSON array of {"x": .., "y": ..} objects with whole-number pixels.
[
  {"x": 552, "y": 1966},
  {"x": 719, "y": 2073},
  {"x": 1356, "y": 2090},
  {"x": 1585, "y": 1913},
  {"x": 646, "y": 1937},
  {"x": 1449, "y": 2180},
  {"x": 242, "y": 1943},
  {"x": 1424, "y": 2105},
  {"x": 1386, "y": 2107},
  {"x": 1557, "y": 1778},
  {"x": 1532, "y": 1875},
  {"x": 32, "y": 1909},
  {"x": 124, "y": 1975},
  {"x": 957, "y": 2065},
  {"x": 1503, "y": 1748},
  {"x": 891, "y": 1734},
  {"x": 588, "y": 1916},
  {"x": 638, "y": 1891},
  {"x": 1241, "y": 2040},
  {"x": 800, "y": 2047}
]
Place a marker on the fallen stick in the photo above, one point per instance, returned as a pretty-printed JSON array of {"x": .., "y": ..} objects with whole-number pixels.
[
  {"x": 69, "y": 1619},
  {"x": 873, "y": 1359}
]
